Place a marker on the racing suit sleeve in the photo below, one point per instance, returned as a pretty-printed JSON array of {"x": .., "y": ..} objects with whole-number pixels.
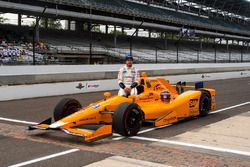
[
  {"x": 122, "y": 85},
  {"x": 120, "y": 78},
  {"x": 136, "y": 79},
  {"x": 133, "y": 85}
]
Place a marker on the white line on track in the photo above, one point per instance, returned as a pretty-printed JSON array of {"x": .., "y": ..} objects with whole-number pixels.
[
  {"x": 148, "y": 130},
  {"x": 228, "y": 108},
  {"x": 17, "y": 121},
  {"x": 143, "y": 131},
  {"x": 218, "y": 149},
  {"x": 44, "y": 158}
]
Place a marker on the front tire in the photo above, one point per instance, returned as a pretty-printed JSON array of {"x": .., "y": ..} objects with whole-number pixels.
[
  {"x": 205, "y": 103},
  {"x": 127, "y": 119},
  {"x": 65, "y": 108}
]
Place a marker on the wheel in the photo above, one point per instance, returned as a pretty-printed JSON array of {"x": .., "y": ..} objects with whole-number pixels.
[
  {"x": 127, "y": 119},
  {"x": 205, "y": 103},
  {"x": 66, "y": 107}
]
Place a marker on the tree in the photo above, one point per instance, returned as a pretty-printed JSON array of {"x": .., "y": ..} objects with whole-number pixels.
[
  {"x": 2, "y": 19},
  {"x": 118, "y": 32},
  {"x": 52, "y": 23},
  {"x": 96, "y": 29}
]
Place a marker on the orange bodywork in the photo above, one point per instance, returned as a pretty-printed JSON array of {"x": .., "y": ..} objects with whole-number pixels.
[{"x": 181, "y": 106}]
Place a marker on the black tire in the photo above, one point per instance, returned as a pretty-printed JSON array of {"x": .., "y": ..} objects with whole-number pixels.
[
  {"x": 205, "y": 103},
  {"x": 127, "y": 119},
  {"x": 66, "y": 107}
]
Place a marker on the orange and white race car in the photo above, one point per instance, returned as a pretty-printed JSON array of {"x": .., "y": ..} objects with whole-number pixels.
[{"x": 157, "y": 102}]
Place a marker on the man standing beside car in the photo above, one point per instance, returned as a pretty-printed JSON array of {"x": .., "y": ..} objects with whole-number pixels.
[{"x": 128, "y": 78}]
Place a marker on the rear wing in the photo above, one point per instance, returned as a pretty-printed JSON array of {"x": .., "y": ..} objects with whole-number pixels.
[{"x": 179, "y": 86}]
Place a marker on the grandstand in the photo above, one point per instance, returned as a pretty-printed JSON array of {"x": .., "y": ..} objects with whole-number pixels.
[{"x": 222, "y": 30}]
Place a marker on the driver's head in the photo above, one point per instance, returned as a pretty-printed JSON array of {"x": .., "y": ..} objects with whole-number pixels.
[
  {"x": 129, "y": 60},
  {"x": 165, "y": 96}
]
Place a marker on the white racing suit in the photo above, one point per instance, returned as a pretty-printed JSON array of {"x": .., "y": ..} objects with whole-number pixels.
[{"x": 128, "y": 76}]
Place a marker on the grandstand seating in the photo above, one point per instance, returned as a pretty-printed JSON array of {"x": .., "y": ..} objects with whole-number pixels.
[
  {"x": 141, "y": 55},
  {"x": 142, "y": 52},
  {"x": 143, "y": 48},
  {"x": 143, "y": 10}
]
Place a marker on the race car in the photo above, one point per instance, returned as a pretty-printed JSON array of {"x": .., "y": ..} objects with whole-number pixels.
[{"x": 157, "y": 102}]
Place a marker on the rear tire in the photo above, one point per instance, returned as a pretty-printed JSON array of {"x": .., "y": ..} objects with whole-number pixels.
[
  {"x": 65, "y": 108},
  {"x": 205, "y": 103},
  {"x": 127, "y": 119}
]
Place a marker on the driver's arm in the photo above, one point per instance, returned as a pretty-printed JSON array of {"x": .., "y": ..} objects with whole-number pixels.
[
  {"x": 122, "y": 85},
  {"x": 136, "y": 80},
  {"x": 134, "y": 85},
  {"x": 120, "y": 78}
]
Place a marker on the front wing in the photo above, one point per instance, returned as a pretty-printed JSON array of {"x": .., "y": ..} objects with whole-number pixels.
[{"x": 88, "y": 135}]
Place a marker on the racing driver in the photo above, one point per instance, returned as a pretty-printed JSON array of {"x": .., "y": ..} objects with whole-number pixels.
[{"x": 128, "y": 78}]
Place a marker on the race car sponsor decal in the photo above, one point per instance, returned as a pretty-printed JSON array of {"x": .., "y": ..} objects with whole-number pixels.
[
  {"x": 80, "y": 86},
  {"x": 88, "y": 85},
  {"x": 152, "y": 81},
  {"x": 87, "y": 119},
  {"x": 93, "y": 85},
  {"x": 192, "y": 103},
  {"x": 193, "y": 111},
  {"x": 95, "y": 106},
  {"x": 151, "y": 94}
]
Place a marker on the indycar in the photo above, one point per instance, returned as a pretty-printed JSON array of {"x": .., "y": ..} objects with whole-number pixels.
[{"x": 156, "y": 101}]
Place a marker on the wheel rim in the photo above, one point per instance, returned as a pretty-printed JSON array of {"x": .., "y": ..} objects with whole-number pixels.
[
  {"x": 133, "y": 120},
  {"x": 205, "y": 105}
]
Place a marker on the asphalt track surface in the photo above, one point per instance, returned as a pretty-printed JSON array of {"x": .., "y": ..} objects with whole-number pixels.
[{"x": 18, "y": 145}]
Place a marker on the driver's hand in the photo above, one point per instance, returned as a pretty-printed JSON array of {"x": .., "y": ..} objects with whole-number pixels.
[{"x": 127, "y": 90}]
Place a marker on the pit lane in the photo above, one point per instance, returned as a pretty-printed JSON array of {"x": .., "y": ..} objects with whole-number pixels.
[{"x": 230, "y": 92}]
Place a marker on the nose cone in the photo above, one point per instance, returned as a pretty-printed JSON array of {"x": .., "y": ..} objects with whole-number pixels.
[{"x": 82, "y": 117}]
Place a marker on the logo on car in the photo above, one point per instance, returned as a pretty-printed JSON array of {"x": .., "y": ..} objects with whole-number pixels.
[{"x": 193, "y": 102}]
